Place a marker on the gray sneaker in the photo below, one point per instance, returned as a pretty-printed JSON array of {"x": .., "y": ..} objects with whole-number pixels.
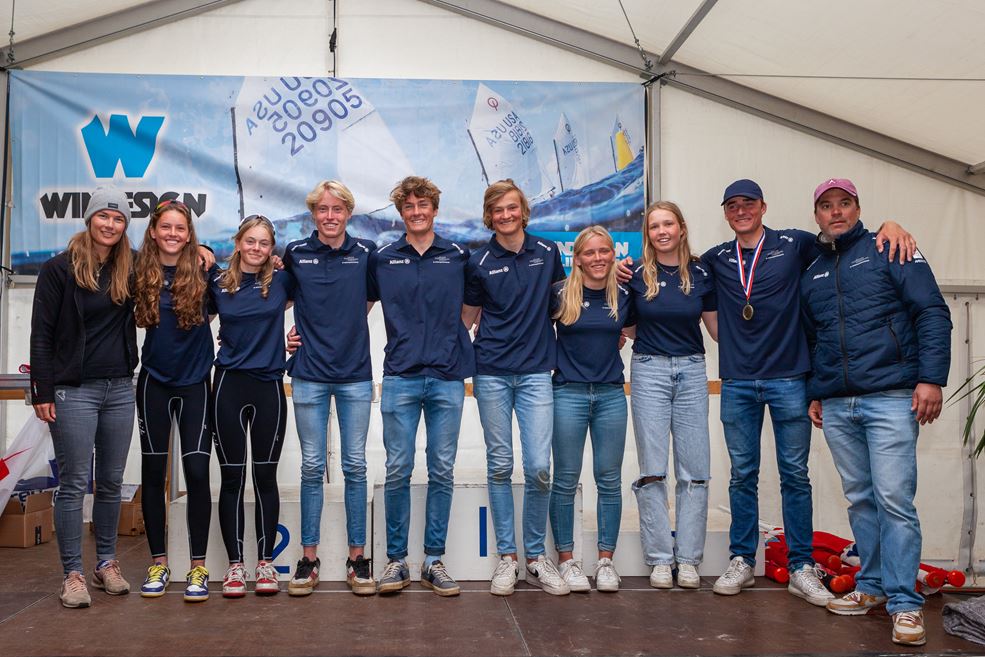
[
  {"x": 804, "y": 583},
  {"x": 74, "y": 593},
  {"x": 109, "y": 578},
  {"x": 545, "y": 575},
  {"x": 438, "y": 580},
  {"x": 736, "y": 577},
  {"x": 395, "y": 577}
]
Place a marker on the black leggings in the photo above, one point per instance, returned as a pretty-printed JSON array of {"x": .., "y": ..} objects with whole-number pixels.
[
  {"x": 158, "y": 407},
  {"x": 241, "y": 401}
]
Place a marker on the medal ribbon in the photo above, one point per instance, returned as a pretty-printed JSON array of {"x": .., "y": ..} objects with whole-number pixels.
[{"x": 747, "y": 285}]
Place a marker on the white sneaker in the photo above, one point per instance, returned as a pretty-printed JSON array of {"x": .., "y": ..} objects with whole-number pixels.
[
  {"x": 662, "y": 576},
  {"x": 504, "y": 578},
  {"x": 687, "y": 576},
  {"x": 908, "y": 628},
  {"x": 574, "y": 576},
  {"x": 804, "y": 583},
  {"x": 606, "y": 577},
  {"x": 546, "y": 576},
  {"x": 736, "y": 577}
]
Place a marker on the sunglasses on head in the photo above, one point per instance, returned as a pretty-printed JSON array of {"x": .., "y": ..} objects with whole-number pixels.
[{"x": 171, "y": 202}]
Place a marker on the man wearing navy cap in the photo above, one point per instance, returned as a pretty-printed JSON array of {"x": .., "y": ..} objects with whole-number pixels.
[
  {"x": 420, "y": 279},
  {"x": 763, "y": 361},
  {"x": 880, "y": 342}
]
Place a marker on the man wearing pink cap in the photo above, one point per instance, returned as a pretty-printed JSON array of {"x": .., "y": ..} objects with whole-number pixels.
[{"x": 879, "y": 334}]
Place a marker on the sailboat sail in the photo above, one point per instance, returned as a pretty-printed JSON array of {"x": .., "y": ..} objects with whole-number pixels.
[
  {"x": 622, "y": 146},
  {"x": 570, "y": 167},
  {"x": 292, "y": 132},
  {"x": 504, "y": 144}
]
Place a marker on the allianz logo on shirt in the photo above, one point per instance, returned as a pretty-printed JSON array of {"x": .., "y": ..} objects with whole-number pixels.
[
  {"x": 501, "y": 270},
  {"x": 536, "y": 262},
  {"x": 400, "y": 261},
  {"x": 308, "y": 261},
  {"x": 441, "y": 260},
  {"x": 348, "y": 260},
  {"x": 817, "y": 276}
]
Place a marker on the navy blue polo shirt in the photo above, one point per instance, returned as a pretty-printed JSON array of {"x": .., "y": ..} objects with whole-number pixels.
[
  {"x": 172, "y": 355},
  {"x": 422, "y": 298},
  {"x": 588, "y": 350},
  {"x": 669, "y": 324},
  {"x": 516, "y": 335},
  {"x": 330, "y": 309},
  {"x": 772, "y": 344},
  {"x": 251, "y": 328}
]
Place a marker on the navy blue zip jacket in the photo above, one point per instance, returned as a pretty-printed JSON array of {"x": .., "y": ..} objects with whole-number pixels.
[{"x": 872, "y": 324}]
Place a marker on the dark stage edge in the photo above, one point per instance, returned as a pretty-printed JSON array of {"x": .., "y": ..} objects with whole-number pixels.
[{"x": 332, "y": 622}]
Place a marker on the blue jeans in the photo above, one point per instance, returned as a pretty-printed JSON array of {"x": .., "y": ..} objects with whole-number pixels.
[
  {"x": 578, "y": 408},
  {"x": 743, "y": 404},
  {"x": 531, "y": 396},
  {"x": 873, "y": 440},
  {"x": 353, "y": 402},
  {"x": 97, "y": 414},
  {"x": 670, "y": 398},
  {"x": 404, "y": 398}
]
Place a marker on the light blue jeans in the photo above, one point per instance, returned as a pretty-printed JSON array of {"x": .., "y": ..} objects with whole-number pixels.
[
  {"x": 670, "y": 399},
  {"x": 353, "y": 402},
  {"x": 531, "y": 396},
  {"x": 404, "y": 399},
  {"x": 578, "y": 409},
  {"x": 743, "y": 406},
  {"x": 873, "y": 441},
  {"x": 97, "y": 414}
]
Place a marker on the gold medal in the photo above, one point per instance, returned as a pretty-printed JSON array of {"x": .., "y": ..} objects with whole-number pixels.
[{"x": 747, "y": 311}]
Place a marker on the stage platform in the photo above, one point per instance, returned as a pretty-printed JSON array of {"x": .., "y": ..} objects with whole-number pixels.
[{"x": 638, "y": 620}]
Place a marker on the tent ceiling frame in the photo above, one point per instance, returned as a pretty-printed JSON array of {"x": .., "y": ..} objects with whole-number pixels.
[
  {"x": 692, "y": 24},
  {"x": 105, "y": 28},
  {"x": 718, "y": 89}
]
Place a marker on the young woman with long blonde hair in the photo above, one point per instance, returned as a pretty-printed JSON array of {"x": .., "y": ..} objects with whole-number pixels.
[
  {"x": 672, "y": 293},
  {"x": 83, "y": 354},
  {"x": 248, "y": 394},
  {"x": 590, "y": 309},
  {"x": 173, "y": 387}
]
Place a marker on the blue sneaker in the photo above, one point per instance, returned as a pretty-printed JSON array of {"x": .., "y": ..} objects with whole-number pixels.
[
  {"x": 197, "y": 585},
  {"x": 438, "y": 580},
  {"x": 158, "y": 576},
  {"x": 395, "y": 577}
]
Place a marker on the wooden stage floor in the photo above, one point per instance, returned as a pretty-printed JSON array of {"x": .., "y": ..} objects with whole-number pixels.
[{"x": 638, "y": 620}]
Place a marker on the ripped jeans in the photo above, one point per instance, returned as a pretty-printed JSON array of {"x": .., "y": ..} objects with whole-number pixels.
[{"x": 670, "y": 398}]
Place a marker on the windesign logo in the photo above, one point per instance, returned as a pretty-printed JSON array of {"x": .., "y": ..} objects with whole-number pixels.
[{"x": 119, "y": 144}]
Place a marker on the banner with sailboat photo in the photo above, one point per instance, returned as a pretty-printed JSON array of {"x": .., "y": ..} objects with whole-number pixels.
[{"x": 234, "y": 146}]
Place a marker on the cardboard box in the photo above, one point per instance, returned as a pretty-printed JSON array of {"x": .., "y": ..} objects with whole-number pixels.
[
  {"x": 131, "y": 513},
  {"x": 28, "y": 519}
]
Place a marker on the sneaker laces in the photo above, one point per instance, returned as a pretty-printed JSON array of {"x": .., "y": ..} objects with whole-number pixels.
[
  {"x": 198, "y": 576},
  {"x": 111, "y": 571},
  {"x": 236, "y": 573},
  {"x": 734, "y": 571},
  {"x": 811, "y": 584},
  {"x": 74, "y": 582},
  {"x": 505, "y": 567},
  {"x": 574, "y": 567},
  {"x": 439, "y": 573},
  {"x": 911, "y": 618},
  {"x": 548, "y": 572},
  {"x": 605, "y": 568},
  {"x": 265, "y": 570},
  {"x": 362, "y": 568},
  {"x": 156, "y": 573},
  {"x": 304, "y": 569},
  {"x": 392, "y": 570}
]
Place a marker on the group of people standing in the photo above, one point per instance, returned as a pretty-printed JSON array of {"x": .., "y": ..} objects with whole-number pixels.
[{"x": 546, "y": 351}]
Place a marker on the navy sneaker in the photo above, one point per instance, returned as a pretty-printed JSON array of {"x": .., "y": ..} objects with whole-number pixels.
[
  {"x": 395, "y": 577},
  {"x": 158, "y": 576},
  {"x": 438, "y": 580},
  {"x": 197, "y": 585}
]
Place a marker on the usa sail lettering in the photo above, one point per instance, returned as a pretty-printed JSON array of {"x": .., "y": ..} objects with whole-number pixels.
[
  {"x": 300, "y": 108},
  {"x": 511, "y": 125}
]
